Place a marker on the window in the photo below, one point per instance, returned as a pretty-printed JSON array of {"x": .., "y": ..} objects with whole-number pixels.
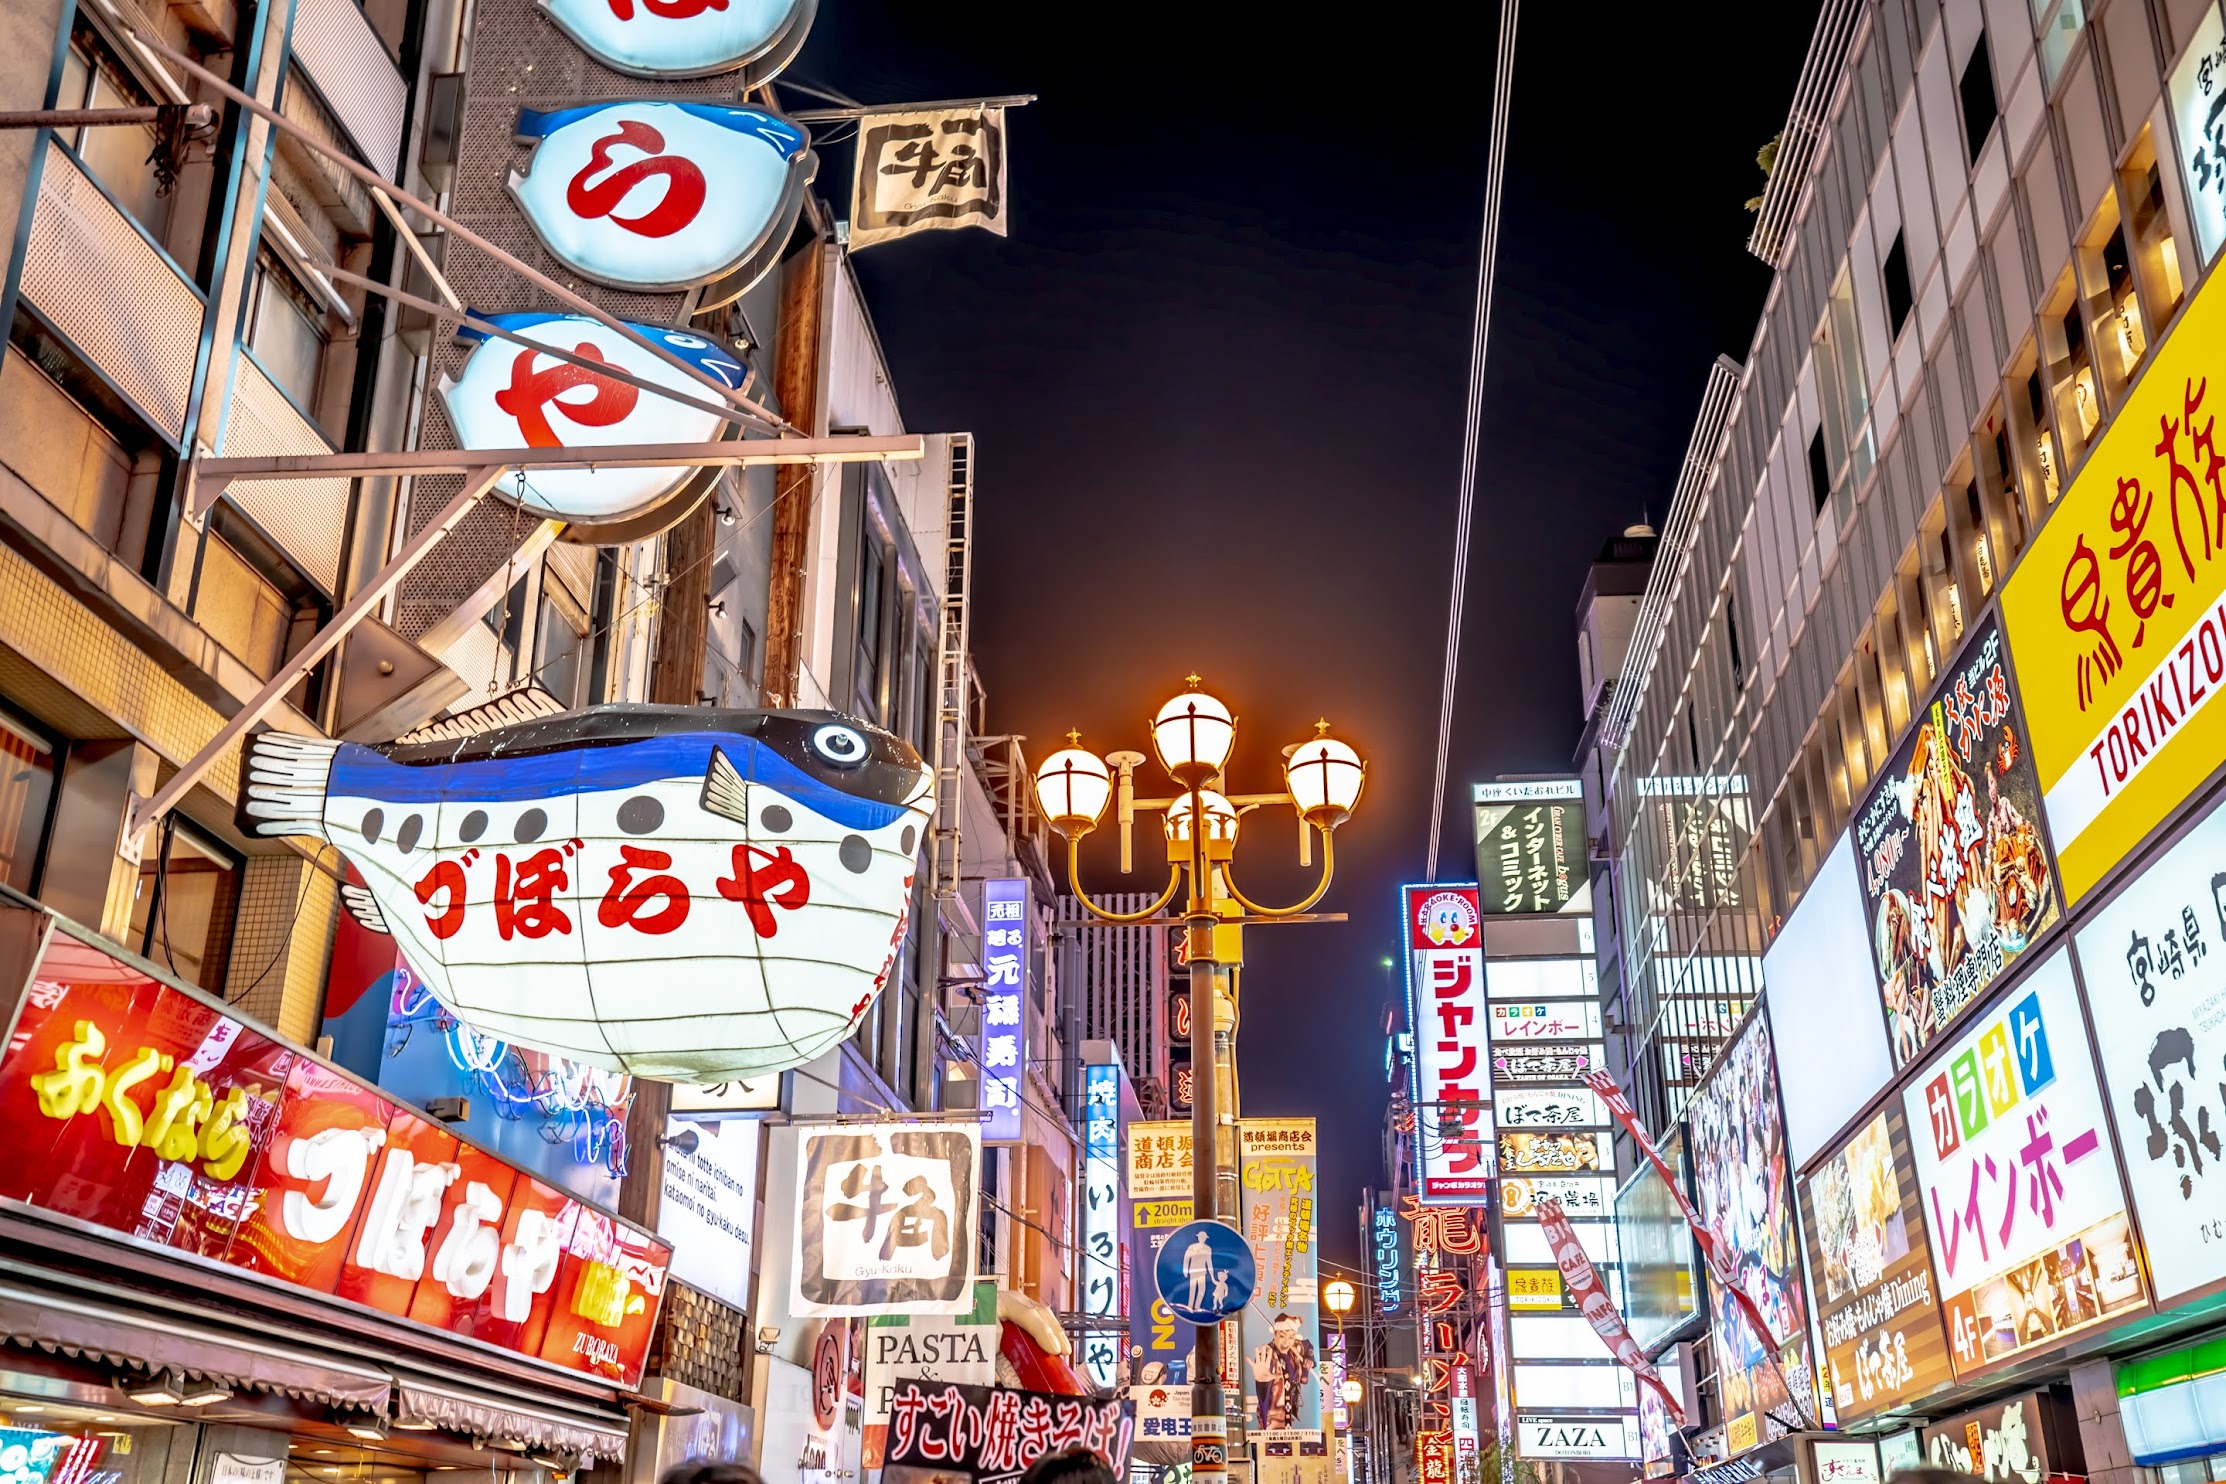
[
  {"x": 183, "y": 907},
  {"x": 26, "y": 802},
  {"x": 1731, "y": 642},
  {"x": 1900, "y": 298},
  {"x": 286, "y": 330},
  {"x": 2113, "y": 308},
  {"x": 2069, "y": 373},
  {"x": 1977, "y": 92},
  {"x": 1843, "y": 420},
  {"x": 1820, "y": 472},
  {"x": 116, "y": 154},
  {"x": 2059, "y": 22},
  {"x": 559, "y": 637},
  {"x": 2156, "y": 255}
]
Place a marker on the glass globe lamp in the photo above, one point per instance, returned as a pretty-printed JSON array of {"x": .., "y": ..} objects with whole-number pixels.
[
  {"x": 1324, "y": 777},
  {"x": 1193, "y": 735},
  {"x": 1219, "y": 814},
  {"x": 1073, "y": 786}
]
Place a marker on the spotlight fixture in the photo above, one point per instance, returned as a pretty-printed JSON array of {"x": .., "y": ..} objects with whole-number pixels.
[{"x": 369, "y": 1426}]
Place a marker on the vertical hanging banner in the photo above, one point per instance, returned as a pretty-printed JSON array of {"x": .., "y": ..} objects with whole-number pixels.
[
  {"x": 1282, "y": 1324},
  {"x": 1159, "y": 1189},
  {"x": 1592, "y": 1300},
  {"x": 1101, "y": 1219},
  {"x": 1004, "y": 981},
  {"x": 921, "y": 171},
  {"x": 1452, "y": 1061},
  {"x": 885, "y": 1219}
]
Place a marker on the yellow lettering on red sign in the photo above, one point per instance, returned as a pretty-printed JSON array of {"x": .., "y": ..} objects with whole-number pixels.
[
  {"x": 185, "y": 1119},
  {"x": 603, "y": 1295}
]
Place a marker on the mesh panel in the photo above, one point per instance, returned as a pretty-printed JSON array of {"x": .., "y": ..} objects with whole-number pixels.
[
  {"x": 350, "y": 66},
  {"x": 518, "y": 59},
  {"x": 105, "y": 287},
  {"x": 306, "y": 517}
]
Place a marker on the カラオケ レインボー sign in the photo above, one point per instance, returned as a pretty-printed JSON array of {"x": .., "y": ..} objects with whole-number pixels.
[
  {"x": 2115, "y": 616},
  {"x": 136, "y": 1107}
]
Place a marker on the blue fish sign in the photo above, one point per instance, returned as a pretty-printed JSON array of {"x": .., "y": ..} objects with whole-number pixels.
[
  {"x": 674, "y": 892},
  {"x": 1205, "y": 1273}
]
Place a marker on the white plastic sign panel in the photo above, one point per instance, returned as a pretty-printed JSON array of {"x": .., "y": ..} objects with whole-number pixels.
[
  {"x": 513, "y": 396},
  {"x": 885, "y": 1219},
  {"x": 662, "y": 196},
  {"x": 2155, "y": 965},
  {"x": 1577, "y": 1437},
  {"x": 2018, "y": 1178},
  {"x": 707, "y": 1208},
  {"x": 686, "y": 38}
]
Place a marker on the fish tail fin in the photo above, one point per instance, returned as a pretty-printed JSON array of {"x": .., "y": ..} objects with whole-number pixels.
[
  {"x": 723, "y": 790},
  {"x": 282, "y": 790}
]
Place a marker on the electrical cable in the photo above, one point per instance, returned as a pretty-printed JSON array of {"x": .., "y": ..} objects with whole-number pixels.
[{"x": 1487, "y": 257}]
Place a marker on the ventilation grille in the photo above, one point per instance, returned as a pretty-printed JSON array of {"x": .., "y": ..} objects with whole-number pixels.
[
  {"x": 306, "y": 517},
  {"x": 350, "y": 66},
  {"x": 111, "y": 293}
]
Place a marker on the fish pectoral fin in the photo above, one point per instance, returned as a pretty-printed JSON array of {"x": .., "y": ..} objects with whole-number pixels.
[
  {"x": 724, "y": 793},
  {"x": 364, "y": 907}
]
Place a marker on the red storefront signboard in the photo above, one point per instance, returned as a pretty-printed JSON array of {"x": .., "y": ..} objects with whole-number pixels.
[{"x": 139, "y": 1108}]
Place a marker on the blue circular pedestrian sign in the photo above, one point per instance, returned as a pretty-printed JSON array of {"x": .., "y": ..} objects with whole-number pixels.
[{"x": 1205, "y": 1272}]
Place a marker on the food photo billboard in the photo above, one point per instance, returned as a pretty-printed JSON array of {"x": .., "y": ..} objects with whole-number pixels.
[
  {"x": 1871, "y": 1274},
  {"x": 1743, "y": 1182},
  {"x": 1956, "y": 875}
]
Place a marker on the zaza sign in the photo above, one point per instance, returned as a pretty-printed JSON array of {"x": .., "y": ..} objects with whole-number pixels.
[
  {"x": 668, "y": 891},
  {"x": 686, "y": 38},
  {"x": 138, "y": 1108},
  {"x": 658, "y": 197},
  {"x": 514, "y": 396}
]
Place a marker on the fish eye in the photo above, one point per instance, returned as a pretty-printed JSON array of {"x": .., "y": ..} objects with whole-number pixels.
[{"x": 840, "y": 745}]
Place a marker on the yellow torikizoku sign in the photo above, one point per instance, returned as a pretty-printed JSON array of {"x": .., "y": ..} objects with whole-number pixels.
[{"x": 2115, "y": 617}]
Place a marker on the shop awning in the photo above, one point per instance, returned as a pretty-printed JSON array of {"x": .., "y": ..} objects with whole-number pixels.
[
  {"x": 55, "y": 1321},
  {"x": 591, "y": 1433}
]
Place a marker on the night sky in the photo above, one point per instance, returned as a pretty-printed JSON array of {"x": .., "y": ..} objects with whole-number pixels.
[{"x": 1217, "y": 375}]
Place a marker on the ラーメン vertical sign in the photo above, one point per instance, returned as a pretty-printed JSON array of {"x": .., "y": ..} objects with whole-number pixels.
[{"x": 1004, "y": 981}]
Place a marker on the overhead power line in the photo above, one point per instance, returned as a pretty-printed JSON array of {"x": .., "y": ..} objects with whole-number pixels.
[{"x": 1495, "y": 174}]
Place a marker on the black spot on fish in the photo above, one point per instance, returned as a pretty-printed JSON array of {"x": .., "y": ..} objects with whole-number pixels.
[
  {"x": 373, "y": 822},
  {"x": 530, "y": 826},
  {"x": 776, "y": 819},
  {"x": 905, "y": 840},
  {"x": 405, "y": 839},
  {"x": 856, "y": 853},
  {"x": 474, "y": 825},
  {"x": 640, "y": 815}
]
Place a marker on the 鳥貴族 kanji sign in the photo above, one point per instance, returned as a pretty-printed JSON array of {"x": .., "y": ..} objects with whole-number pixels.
[
  {"x": 139, "y": 1108},
  {"x": 2018, "y": 1178},
  {"x": 2115, "y": 615}
]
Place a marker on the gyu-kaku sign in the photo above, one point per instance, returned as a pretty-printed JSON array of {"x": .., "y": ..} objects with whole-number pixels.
[
  {"x": 663, "y": 196},
  {"x": 668, "y": 891},
  {"x": 687, "y": 38},
  {"x": 512, "y": 396}
]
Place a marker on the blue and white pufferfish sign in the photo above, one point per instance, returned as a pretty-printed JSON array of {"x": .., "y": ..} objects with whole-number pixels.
[
  {"x": 512, "y": 396},
  {"x": 668, "y": 891},
  {"x": 686, "y": 38},
  {"x": 659, "y": 196}
]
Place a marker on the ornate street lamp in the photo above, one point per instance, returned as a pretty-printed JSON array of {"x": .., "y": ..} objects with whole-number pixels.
[{"x": 1193, "y": 736}]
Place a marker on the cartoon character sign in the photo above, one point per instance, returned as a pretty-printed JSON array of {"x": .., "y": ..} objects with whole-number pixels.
[
  {"x": 687, "y": 38},
  {"x": 512, "y": 396},
  {"x": 667, "y": 891},
  {"x": 663, "y": 196}
]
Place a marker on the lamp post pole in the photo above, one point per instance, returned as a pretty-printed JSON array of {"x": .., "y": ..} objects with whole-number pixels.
[{"x": 1193, "y": 735}]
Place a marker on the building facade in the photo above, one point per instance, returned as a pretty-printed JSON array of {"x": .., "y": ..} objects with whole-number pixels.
[
  {"x": 204, "y": 286},
  {"x": 1904, "y": 793}
]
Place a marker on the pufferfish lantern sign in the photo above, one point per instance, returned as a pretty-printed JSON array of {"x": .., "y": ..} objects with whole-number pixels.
[{"x": 668, "y": 891}]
